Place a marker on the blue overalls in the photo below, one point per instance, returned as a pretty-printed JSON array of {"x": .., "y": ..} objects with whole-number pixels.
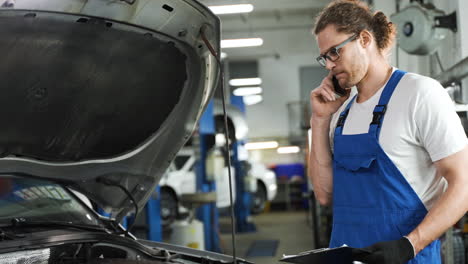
[{"x": 372, "y": 201}]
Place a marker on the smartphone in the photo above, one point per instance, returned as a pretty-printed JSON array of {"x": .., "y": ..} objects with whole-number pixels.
[{"x": 338, "y": 89}]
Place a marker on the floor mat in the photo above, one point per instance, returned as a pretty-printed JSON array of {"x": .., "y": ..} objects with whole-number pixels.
[{"x": 263, "y": 248}]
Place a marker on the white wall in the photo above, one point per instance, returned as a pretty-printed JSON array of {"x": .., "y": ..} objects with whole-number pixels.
[
  {"x": 296, "y": 47},
  {"x": 281, "y": 85},
  {"x": 288, "y": 46}
]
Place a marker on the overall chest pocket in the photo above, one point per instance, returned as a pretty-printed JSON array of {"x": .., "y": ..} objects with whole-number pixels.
[
  {"x": 354, "y": 163},
  {"x": 355, "y": 181}
]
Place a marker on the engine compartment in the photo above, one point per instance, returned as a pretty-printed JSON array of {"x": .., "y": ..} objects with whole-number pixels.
[{"x": 80, "y": 253}]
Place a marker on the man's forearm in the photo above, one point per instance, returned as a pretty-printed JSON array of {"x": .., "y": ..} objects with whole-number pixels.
[
  {"x": 452, "y": 205},
  {"x": 321, "y": 170}
]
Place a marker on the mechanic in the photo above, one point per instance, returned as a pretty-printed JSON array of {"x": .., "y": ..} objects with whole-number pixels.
[{"x": 393, "y": 159}]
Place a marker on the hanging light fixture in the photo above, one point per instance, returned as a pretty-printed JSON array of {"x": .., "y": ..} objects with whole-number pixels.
[
  {"x": 231, "y": 9},
  {"x": 288, "y": 150},
  {"x": 245, "y": 91},
  {"x": 241, "y": 43},
  {"x": 261, "y": 145},
  {"x": 252, "y": 99},
  {"x": 245, "y": 82}
]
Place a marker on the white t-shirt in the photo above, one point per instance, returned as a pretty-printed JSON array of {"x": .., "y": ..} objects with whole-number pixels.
[{"x": 420, "y": 127}]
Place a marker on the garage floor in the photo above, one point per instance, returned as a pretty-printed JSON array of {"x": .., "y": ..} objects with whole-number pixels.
[{"x": 291, "y": 228}]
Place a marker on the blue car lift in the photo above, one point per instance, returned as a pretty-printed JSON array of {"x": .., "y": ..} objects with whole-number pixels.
[
  {"x": 153, "y": 216},
  {"x": 243, "y": 197},
  {"x": 208, "y": 213}
]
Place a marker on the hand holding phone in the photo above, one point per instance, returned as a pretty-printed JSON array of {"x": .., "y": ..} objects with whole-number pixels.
[
  {"x": 327, "y": 98},
  {"x": 338, "y": 89}
]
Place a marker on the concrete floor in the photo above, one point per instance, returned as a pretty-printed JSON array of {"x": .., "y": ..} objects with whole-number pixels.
[{"x": 291, "y": 228}]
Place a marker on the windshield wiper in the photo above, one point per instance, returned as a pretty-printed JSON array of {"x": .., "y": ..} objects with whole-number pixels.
[{"x": 22, "y": 222}]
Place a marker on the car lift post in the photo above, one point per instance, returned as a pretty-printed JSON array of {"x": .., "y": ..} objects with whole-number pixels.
[
  {"x": 208, "y": 213},
  {"x": 153, "y": 215},
  {"x": 243, "y": 197}
]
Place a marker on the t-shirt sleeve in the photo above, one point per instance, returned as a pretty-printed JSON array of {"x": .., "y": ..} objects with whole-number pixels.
[{"x": 439, "y": 126}]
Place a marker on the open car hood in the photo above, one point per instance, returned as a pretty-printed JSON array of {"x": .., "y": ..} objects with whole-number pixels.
[{"x": 102, "y": 91}]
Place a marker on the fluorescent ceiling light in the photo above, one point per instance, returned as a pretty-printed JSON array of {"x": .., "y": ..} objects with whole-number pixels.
[
  {"x": 261, "y": 145},
  {"x": 241, "y": 43},
  {"x": 245, "y": 91},
  {"x": 288, "y": 150},
  {"x": 252, "y": 99},
  {"x": 245, "y": 82},
  {"x": 231, "y": 9},
  {"x": 223, "y": 55}
]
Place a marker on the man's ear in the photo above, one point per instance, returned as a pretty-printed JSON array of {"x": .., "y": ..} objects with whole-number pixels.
[{"x": 365, "y": 38}]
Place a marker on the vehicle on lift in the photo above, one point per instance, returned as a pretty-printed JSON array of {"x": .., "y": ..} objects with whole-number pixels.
[
  {"x": 266, "y": 186},
  {"x": 264, "y": 179},
  {"x": 96, "y": 100},
  {"x": 180, "y": 178}
]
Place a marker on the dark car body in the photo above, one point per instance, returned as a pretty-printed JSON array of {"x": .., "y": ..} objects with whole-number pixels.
[{"x": 96, "y": 97}]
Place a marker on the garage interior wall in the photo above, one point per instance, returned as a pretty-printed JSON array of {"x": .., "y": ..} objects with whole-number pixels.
[{"x": 290, "y": 45}]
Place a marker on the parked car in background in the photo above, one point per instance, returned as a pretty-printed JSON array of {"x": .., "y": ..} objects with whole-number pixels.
[
  {"x": 180, "y": 178},
  {"x": 266, "y": 186}
]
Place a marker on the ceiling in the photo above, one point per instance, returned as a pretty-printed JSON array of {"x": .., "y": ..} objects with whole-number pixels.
[
  {"x": 276, "y": 21},
  {"x": 266, "y": 9},
  {"x": 268, "y": 5}
]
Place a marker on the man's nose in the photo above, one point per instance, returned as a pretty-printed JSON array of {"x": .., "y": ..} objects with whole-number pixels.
[{"x": 329, "y": 64}]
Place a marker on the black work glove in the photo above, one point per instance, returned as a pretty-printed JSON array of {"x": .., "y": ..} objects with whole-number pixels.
[{"x": 388, "y": 252}]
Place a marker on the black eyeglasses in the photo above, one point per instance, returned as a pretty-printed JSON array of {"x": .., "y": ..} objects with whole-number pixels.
[{"x": 333, "y": 54}]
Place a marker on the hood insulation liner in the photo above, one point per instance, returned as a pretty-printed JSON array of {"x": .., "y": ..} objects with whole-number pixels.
[{"x": 86, "y": 89}]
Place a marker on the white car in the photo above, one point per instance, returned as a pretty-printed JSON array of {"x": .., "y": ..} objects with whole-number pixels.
[
  {"x": 266, "y": 186},
  {"x": 180, "y": 179}
]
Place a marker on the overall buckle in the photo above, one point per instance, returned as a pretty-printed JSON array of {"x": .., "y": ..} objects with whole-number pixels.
[
  {"x": 377, "y": 117},
  {"x": 342, "y": 119}
]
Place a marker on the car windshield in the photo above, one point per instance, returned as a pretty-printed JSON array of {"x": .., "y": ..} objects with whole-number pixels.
[
  {"x": 180, "y": 161},
  {"x": 40, "y": 201}
]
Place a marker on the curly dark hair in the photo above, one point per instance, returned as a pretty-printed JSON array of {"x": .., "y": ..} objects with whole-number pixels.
[{"x": 353, "y": 16}]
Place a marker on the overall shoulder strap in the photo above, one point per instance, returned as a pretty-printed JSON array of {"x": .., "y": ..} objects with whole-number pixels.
[
  {"x": 342, "y": 118},
  {"x": 381, "y": 108}
]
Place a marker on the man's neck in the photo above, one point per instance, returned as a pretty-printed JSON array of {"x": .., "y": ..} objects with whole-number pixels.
[{"x": 376, "y": 76}]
